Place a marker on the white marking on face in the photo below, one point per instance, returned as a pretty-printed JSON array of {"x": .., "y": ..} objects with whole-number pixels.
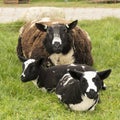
[
  {"x": 56, "y": 39},
  {"x": 26, "y": 64},
  {"x": 89, "y": 75},
  {"x": 84, "y": 105}
]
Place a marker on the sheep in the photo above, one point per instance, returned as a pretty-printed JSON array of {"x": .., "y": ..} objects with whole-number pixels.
[
  {"x": 80, "y": 90},
  {"x": 47, "y": 78},
  {"x": 60, "y": 42}
]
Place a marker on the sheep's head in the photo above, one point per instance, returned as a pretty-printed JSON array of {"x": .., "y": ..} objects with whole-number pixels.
[
  {"x": 90, "y": 81},
  {"x": 30, "y": 69},
  {"x": 57, "y": 36}
]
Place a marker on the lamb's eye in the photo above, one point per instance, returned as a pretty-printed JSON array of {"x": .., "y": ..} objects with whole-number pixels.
[{"x": 94, "y": 79}]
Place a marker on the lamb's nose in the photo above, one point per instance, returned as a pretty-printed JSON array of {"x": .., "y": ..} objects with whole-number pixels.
[
  {"x": 92, "y": 94},
  {"x": 23, "y": 79}
]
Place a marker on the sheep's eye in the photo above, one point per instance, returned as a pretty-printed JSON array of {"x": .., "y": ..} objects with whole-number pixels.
[
  {"x": 50, "y": 30},
  {"x": 64, "y": 29}
]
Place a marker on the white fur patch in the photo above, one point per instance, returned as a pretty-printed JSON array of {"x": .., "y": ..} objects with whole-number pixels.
[
  {"x": 70, "y": 78},
  {"x": 89, "y": 75},
  {"x": 59, "y": 96},
  {"x": 84, "y": 105},
  {"x": 73, "y": 65},
  {"x": 60, "y": 59},
  {"x": 83, "y": 67},
  {"x": 26, "y": 63},
  {"x": 56, "y": 39}
]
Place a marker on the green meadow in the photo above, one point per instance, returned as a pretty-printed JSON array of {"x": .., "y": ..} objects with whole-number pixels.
[{"x": 23, "y": 101}]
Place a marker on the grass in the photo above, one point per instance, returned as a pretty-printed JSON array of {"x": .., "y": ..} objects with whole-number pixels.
[
  {"x": 23, "y": 101},
  {"x": 61, "y": 3}
]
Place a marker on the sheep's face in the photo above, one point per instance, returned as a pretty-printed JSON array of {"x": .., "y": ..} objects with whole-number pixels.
[
  {"x": 90, "y": 81},
  {"x": 57, "y": 37},
  {"x": 30, "y": 70}
]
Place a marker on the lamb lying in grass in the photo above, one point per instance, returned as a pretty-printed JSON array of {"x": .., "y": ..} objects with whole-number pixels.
[
  {"x": 80, "y": 90},
  {"x": 76, "y": 85},
  {"x": 48, "y": 78}
]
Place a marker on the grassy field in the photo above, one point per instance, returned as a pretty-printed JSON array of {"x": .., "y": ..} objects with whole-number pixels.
[
  {"x": 23, "y": 101},
  {"x": 62, "y": 3}
]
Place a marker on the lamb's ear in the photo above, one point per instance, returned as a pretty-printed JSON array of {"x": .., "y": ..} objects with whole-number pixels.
[
  {"x": 41, "y": 27},
  {"x": 22, "y": 59},
  {"x": 104, "y": 74},
  {"x": 71, "y": 25},
  {"x": 76, "y": 74}
]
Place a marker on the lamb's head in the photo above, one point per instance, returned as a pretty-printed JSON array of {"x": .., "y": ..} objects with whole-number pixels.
[
  {"x": 30, "y": 69},
  {"x": 58, "y": 37},
  {"x": 90, "y": 81}
]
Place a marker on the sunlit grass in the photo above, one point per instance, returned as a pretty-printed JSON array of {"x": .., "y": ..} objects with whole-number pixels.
[{"x": 23, "y": 101}]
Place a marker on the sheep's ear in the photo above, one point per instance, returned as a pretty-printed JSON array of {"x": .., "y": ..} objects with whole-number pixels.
[
  {"x": 71, "y": 25},
  {"x": 76, "y": 74},
  {"x": 41, "y": 27},
  {"x": 22, "y": 59},
  {"x": 104, "y": 74}
]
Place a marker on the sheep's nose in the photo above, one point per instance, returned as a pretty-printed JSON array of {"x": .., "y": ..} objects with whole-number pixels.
[
  {"x": 57, "y": 47},
  {"x": 92, "y": 94},
  {"x": 57, "y": 44}
]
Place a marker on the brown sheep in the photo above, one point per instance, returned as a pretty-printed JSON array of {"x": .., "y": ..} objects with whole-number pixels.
[{"x": 60, "y": 42}]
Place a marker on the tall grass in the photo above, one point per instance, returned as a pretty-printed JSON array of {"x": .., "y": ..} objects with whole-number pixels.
[{"x": 23, "y": 101}]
